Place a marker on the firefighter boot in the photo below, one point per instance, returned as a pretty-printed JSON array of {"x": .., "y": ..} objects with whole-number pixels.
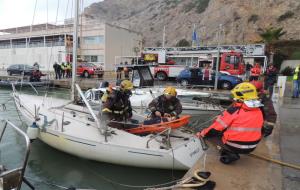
[{"x": 228, "y": 157}]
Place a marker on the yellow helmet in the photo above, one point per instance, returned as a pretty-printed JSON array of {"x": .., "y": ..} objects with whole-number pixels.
[
  {"x": 126, "y": 85},
  {"x": 244, "y": 91},
  {"x": 170, "y": 91}
]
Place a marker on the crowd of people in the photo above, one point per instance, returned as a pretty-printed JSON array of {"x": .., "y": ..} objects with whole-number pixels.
[{"x": 63, "y": 70}]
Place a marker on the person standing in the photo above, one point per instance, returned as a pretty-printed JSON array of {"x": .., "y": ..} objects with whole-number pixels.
[
  {"x": 255, "y": 72},
  {"x": 238, "y": 129},
  {"x": 206, "y": 77},
  {"x": 68, "y": 69},
  {"x": 55, "y": 67},
  {"x": 270, "y": 78},
  {"x": 59, "y": 71},
  {"x": 63, "y": 69},
  {"x": 296, "y": 82},
  {"x": 248, "y": 68},
  {"x": 126, "y": 73},
  {"x": 119, "y": 73}
]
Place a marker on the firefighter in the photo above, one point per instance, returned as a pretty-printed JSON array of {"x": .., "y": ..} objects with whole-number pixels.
[
  {"x": 255, "y": 72},
  {"x": 116, "y": 106},
  {"x": 68, "y": 70},
  {"x": 63, "y": 69},
  {"x": 166, "y": 106},
  {"x": 296, "y": 82},
  {"x": 267, "y": 109},
  {"x": 239, "y": 126}
]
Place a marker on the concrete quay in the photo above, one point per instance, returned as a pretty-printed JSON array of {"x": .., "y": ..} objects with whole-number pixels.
[{"x": 253, "y": 173}]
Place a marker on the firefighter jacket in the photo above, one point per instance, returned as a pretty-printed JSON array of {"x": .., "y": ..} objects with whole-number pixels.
[
  {"x": 117, "y": 102},
  {"x": 241, "y": 126},
  {"x": 68, "y": 66},
  {"x": 296, "y": 75},
  {"x": 255, "y": 71},
  {"x": 163, "y": 105},
  {"x": 63, "y": 67}
]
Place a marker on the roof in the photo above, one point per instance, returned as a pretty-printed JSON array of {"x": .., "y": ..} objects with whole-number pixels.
[{"x": 36, "y": 27}]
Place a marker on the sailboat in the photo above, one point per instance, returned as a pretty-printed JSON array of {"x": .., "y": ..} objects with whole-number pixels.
[{"x": 75, "y": 129}]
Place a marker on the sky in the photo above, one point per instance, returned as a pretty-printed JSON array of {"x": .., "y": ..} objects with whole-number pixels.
[{"x": 14, "y": 13}]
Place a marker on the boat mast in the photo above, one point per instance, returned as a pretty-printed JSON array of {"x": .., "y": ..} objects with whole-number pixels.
[{"x": 75, "y": 46}]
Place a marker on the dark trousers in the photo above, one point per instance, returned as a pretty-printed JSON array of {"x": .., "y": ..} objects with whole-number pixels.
[
  {"x": 218, "y": 141},
  {"x": 58, "y": 74},
  {"x": 253, "y": 78}
]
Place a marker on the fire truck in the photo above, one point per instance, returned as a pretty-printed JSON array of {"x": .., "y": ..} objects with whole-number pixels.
[{"x": 171, "y": 61}]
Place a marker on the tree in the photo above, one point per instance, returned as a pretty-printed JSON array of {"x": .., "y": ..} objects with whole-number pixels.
[
  {"x": 183, "y": 43},
  {"x": 271, "y": 34}
]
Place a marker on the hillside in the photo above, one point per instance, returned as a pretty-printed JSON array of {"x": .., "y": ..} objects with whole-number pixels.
[{"x": 241, "y": 20}]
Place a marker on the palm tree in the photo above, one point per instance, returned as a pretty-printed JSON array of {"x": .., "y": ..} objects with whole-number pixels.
[{"x": 270, "y": 35}]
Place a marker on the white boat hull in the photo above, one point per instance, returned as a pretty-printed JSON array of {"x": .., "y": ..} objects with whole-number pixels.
[{"x": 79, "y": 137}]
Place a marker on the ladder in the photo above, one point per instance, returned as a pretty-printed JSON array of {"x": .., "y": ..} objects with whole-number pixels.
[{"x": 247, "y": 50}]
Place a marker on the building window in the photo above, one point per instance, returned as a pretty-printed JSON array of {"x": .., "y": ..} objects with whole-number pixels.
[
  {"x": 4, "y": 44},
  {"x": 91, "y": 40},
  {"x": 94, "y": 58}
]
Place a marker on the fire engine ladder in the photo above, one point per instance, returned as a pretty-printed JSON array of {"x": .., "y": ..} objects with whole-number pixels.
[{"x": 247, "y": 50}]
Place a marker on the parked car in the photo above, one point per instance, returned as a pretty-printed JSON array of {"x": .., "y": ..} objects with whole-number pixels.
[
  {"x": 19, "y": 69},
  {"x": 194, "y": 76},
  {"x": 86, "y": 70}
]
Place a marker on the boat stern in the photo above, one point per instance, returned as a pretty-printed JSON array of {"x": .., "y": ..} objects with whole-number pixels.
[{"x": 187, "y": 154}]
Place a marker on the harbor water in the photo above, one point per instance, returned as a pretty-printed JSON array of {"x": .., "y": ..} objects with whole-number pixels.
[{"x": 49, "y": 168}]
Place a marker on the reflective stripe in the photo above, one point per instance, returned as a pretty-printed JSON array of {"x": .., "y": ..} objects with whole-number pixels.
[
  {"x": 241, "y": 146},
  {"x": 106, "y": 110},
  {"x": 118, "y": 112},
  {"x": 221, "y": 122},
  {"x": 244, "y": 129}
]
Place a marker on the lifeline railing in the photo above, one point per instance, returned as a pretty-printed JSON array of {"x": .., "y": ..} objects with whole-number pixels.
[
  {"x": 12, "y": 179},
  {"x": 167, "y": 130}
]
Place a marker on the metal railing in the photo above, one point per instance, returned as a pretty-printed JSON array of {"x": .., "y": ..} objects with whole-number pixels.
[
  {"x": 167, "y": 131},
  {"x": 12, "y": 179}
]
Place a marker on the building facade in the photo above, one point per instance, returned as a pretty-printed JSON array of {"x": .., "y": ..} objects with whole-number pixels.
[{"x": 45, "y": 44}]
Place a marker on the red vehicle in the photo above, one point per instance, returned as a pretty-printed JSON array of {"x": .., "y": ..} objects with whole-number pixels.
[
  {"x": 231, "y": 63},
  {"x": 172, "y": 62},
  {"x": 87, "y": 70}
]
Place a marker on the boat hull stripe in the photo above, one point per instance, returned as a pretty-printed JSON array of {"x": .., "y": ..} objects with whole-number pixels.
[
  {"x": 145, "y": 153},
  {"x": 81, "y": 142}
]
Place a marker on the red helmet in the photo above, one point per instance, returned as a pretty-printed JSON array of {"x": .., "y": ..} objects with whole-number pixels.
[{"x": 258, "y": 85}]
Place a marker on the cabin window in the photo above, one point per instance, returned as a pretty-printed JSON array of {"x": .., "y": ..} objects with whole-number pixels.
[{"x": 232, "y": 59}]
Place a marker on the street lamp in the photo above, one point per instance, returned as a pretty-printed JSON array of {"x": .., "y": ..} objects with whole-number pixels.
[{"x": 218, "y": 57}]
